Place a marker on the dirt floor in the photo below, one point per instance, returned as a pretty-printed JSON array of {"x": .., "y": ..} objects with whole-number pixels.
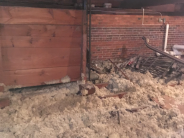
[{"x": 58, "y": 112}]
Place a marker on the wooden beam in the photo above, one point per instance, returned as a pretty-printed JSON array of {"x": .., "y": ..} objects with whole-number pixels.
[
  {"x": 33, "y": 77},
  {"x": 1, "y": 66},
  {"x": 84, "y": 45},
  {"x": 35, "y": 58},
  {"x": 41, "y": 30},
  {"x": 39, "y": 46},
  {"x": 118, "y": 11},
  {"x": 41, "y": 4},
  {"x": 131, "y": 4},
  {"x": 27, "y": 15},
  {"x": 163, "y": 8},
  {"x": 70, "y": 4},
  {"x": 40, "y": 42},
  {"x": 61, "y": 2}
]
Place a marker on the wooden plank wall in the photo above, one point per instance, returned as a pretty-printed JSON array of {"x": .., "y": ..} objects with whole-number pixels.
[{"x": 39, "y": 45}]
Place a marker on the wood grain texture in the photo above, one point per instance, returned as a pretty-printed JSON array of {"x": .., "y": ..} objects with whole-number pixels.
[
  {"x": 42, "y": 42},
  {"x": 41, "y": 2},
  {"x": 34, "y": 58},
  {"x": 41, "y": 30},
  {"x": 1, "y": 67},
  {"x": 84, "y": 46},
  {"x": 25, "y": 15},
  {"x": 39, "y": 45},
  {"x": 34, "y": 77}
]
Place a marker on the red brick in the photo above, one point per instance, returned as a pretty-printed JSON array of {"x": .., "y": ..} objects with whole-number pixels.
[{"x": 110, "y": 32}]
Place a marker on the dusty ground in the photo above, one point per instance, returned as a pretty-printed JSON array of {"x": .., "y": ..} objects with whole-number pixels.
[{"x": 57, "y": 112}]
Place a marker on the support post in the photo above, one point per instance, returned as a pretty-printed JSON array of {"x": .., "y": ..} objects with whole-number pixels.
[
  {"x": 1, "y": 71},
  {"x": 89, "y": 40},
  {"x": 84, "y": 44}
]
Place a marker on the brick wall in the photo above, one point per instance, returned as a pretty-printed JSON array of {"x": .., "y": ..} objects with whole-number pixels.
[{"x": 120, "y": 35}]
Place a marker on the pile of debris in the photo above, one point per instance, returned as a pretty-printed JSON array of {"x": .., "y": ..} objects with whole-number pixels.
[
  {"x": 159, "y": 67},
  {"x": 126, "y": 99},
  {"x": 85, "y": 110}
]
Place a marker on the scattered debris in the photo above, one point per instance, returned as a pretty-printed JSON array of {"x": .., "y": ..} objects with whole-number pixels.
[
  {"x": 117, "y": 84},
  {"x": 93, "y": 76},
  {"x": 169, "y": 103},
  {"x": 103, "y": 67},
  {"x": 138, "y": 63},
  {"x": 119, "y": 95},
  {"x": 58, "y": 111},
  {"x": 177, "y": 66},
  {"x": 52, "y": 82},
  {"x": 119, "y": 70},
  {"x": 162, "y": 52},
  {"x": 97, "y": 70},
  {"x": 4, "y": 102},
  {"x": 101, "y": 85},
  {"x": 136, "y": 109},
  {"x": 159, "y": 67},
  {"x": 114, "y": 135},
  {"x": 173, "y": 85},
  {"x": 65, "y": 79},
  {"x": 119, "y": 122},
  {"x": 87, "y": 89}
]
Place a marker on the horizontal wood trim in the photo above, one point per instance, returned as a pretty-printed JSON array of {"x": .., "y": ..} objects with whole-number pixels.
[
  {"x": 43, "y": 42},
  {"x": 40, "y": 3},
  {"x": 28, "y": 15},
  {"x": 34, "y": 77},
  {"x": 41, "y": 30},
  {"x": 34, "y": 58}
]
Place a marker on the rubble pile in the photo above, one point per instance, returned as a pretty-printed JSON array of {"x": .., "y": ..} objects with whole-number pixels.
[
  {"x": 124, "y": 108},
  {"x": 118, "y": 84},
  {"x": 158, "y": 67},
  {"x": 104, "y": 66}
]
